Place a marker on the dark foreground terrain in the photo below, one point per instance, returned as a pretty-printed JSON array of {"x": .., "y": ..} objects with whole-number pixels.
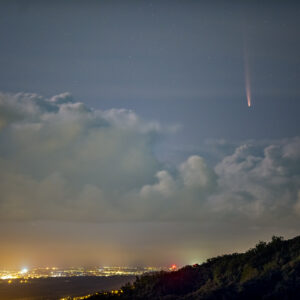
[
  {"x": 268, "y": 271},
  {"x": 56, "y": 288}
]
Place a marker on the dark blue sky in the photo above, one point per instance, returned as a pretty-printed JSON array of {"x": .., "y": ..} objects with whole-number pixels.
[{"x": 177, "y": 62}]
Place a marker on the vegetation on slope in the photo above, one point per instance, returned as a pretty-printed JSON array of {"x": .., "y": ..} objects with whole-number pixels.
[{"x": 268, "y": 271}]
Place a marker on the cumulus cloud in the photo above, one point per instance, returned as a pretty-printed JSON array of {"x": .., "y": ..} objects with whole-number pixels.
[
  {"x": 164, "y": 187},
  {"x": 257, "y": 185},
  {"x": 195, "y": 172},
  {"x": 60, "y": 159},
  {"x": 57, "y": 154}
]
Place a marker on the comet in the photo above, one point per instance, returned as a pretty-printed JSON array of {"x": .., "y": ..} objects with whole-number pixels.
[
  {"x": 247, "y": 84},
  {"x": 247, "y": 75}
]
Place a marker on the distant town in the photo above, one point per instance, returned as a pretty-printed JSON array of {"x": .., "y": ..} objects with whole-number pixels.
[{"x": 24, "y": 275}]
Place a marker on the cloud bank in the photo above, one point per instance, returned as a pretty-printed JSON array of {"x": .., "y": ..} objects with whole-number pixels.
[{"x": 61, "y": 160}]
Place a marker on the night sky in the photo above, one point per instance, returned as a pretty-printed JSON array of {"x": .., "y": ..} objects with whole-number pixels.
[{"x": 125, "y": 134}]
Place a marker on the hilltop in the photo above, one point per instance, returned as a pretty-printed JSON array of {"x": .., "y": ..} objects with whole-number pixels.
[{"x": 267, "y": 271}]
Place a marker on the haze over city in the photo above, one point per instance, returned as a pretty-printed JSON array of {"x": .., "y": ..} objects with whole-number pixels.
[{"x": 146, "y": 133}]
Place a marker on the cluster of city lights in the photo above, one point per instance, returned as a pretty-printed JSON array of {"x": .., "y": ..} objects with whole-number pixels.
[
  {"x": 24, "y": 275},
  {"x": 112, "y": 292}
]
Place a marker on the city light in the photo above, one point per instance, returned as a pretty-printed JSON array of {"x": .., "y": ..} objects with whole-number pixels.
[
  {"x": 4, "y": 277},
  {"x": 173, "y": 267},
  {"x": 25, "y": 275}
]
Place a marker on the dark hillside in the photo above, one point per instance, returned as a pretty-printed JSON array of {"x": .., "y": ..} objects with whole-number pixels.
[{"x": 268, "y": 271}]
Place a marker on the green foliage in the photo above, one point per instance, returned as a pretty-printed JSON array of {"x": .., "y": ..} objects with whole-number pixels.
[
  {"x": 248, "y": 273},
  {"x": 267, "y": 271}
]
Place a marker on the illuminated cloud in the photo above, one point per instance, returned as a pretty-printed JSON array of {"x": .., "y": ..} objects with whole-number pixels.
[
  {"x": 61, "y": 160},
  {"x": 260, "y": 182},
  {"x": 195, "y": 172}
]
